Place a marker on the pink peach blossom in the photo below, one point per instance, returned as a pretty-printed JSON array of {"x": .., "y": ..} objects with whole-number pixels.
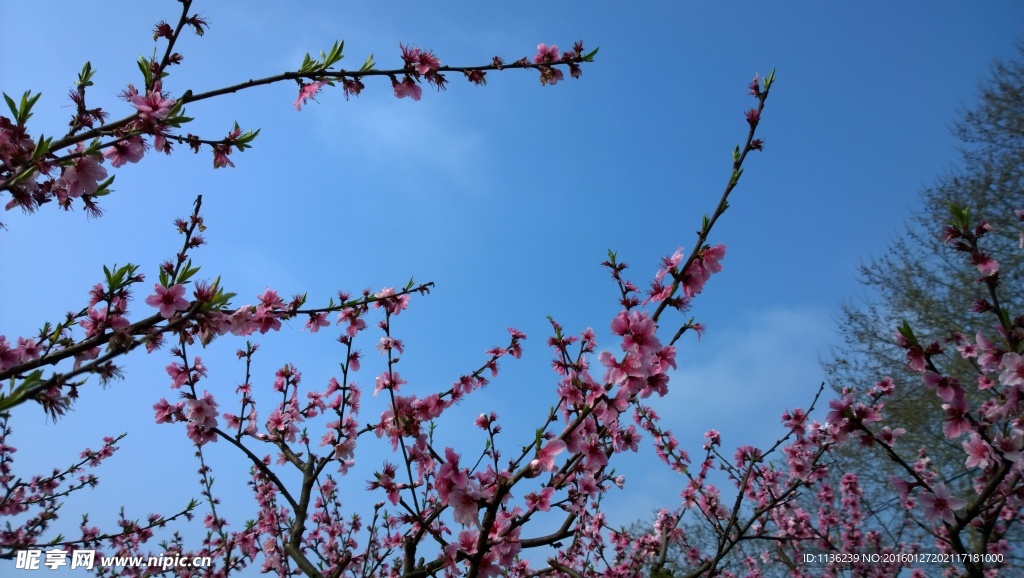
[
  {"x": 126, "y": 151},
  {"x": 308, "y": 91},
  {"x": 545, "y": 460},
  {"x": 979, "y": 453},
  {"x": 1013, "y": 370},
  {"x": 168, "y": 300},
  {"x": 940, "y": 503},
  {"x": 83, "y": 176},
  {"x": 153, "y": 106},
  {"x": 407, "y": 87},
  {"x": 545, "y": 54}
]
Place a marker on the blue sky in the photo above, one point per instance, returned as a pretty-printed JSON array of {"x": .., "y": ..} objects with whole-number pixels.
[{"x": 506, "y": 196}]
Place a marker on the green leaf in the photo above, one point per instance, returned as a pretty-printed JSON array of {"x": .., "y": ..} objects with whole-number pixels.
[
  {"x": 144, "y": 68},
  {"x": 960, "y": 216},
  {"x": 177, "y": 121},
  {"x": 368, "y": 64},
  {"x": 21, "y": 391},
  {"x": 223, "y": 299},
  {"x": 333, "y": 56},
  {"x": 27, "y": 102},
  {"x": 55, "y": 337},
  {"x": 325, "y": 59},
  {"x": 85, "y": 77},
  {"x": 175, "y": 117},
  {"x": 42, "y": 147},
  {"x": 11, "y": 105},
  {"x": 589, "y": 57},
  {"x": 104, "y": 188},
  {"x": 242, "y": 142},
  {"x": 93, "y": 148},
  {"x": 907, "y": 332},
  {"x": 187, "y": 272},
  {"x": 118, "y": 277}
]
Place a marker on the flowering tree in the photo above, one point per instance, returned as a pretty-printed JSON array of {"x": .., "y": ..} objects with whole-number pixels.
[
  {"x": 38, "y": 170},
  {"x": 834, "y": 528},
  {"x": 920, "y": 281},
  {"x": 443, "y": 510}
]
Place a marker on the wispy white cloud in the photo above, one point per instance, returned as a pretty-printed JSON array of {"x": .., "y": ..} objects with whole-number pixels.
[
  {"x": 738, "y": 380},
  {"x": 418, "y": 143},
  {"x": 741, "y": 377}
]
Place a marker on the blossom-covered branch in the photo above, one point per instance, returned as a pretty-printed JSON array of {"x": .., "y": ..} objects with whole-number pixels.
[{"x": 35, "y": 171}]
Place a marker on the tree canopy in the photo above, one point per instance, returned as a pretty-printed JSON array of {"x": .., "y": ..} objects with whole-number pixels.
[{"x": 919, "y": 280}]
